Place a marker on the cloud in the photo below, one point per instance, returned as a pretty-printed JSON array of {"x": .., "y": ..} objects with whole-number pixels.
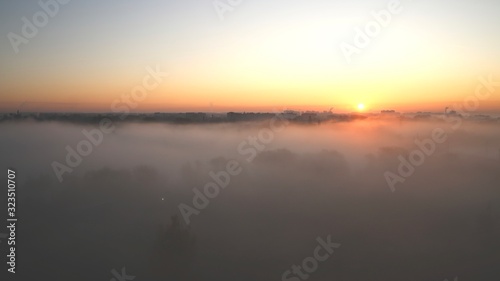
[{"x": 311, "y": 181}]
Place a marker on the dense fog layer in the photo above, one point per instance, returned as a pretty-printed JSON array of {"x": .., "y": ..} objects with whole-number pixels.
[{"x": 119, "y": 207}]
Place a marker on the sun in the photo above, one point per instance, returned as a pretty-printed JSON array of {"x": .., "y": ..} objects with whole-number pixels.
[{"x": 361, "y": 106}]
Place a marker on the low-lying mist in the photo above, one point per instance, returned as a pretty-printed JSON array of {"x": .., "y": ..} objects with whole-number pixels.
[{"x": 119, "y": 206}]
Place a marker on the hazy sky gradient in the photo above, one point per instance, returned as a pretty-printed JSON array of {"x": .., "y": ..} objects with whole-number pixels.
[{"x": 264, "y": 55}]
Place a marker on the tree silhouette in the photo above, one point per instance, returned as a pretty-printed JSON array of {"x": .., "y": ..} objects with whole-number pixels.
[{"x": 173, "y": 252}]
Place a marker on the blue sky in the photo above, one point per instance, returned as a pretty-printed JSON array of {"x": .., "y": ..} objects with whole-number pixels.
[{"x": 91, "y": 43}]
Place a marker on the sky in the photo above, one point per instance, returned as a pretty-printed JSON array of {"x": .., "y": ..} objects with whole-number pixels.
[{"x": 259, "y": 55}]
